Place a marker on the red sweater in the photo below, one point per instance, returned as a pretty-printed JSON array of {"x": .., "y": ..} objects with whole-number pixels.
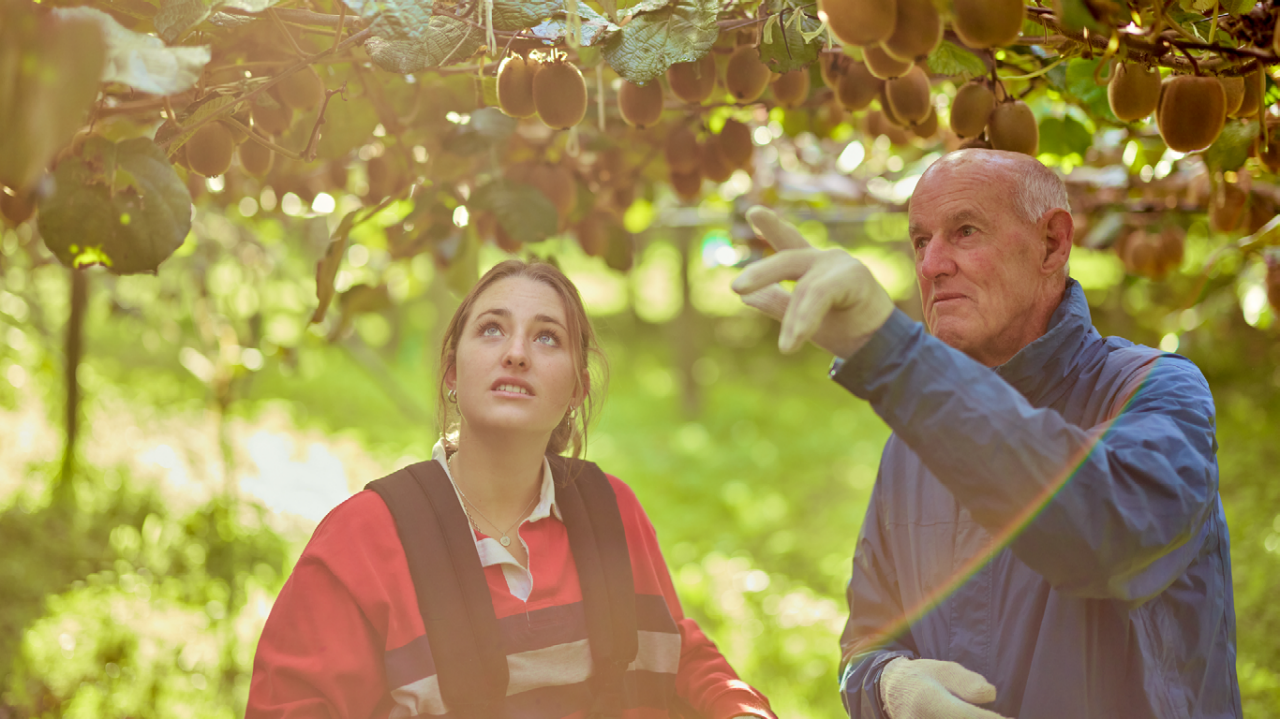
[{"x": 345, "y": 638}]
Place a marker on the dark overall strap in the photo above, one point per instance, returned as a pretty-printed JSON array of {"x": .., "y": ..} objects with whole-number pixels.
[
  {"x": 599, "y": 544},
  {"x": 453, "y": 594}
]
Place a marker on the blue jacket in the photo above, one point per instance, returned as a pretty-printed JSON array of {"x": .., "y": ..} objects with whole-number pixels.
[{"x": 1053, "y": 525}]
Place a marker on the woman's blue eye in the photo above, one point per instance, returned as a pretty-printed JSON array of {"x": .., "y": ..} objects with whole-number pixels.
[
  {"x": 490, "y": 331},
  {"x": 548, "y": 338}
]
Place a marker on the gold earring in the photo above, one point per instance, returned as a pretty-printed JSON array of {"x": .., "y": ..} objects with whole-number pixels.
[{"x": 453, "y": 396}]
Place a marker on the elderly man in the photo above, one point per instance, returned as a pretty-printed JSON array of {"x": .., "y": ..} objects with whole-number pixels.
[{"x": 1046, "y": 513}]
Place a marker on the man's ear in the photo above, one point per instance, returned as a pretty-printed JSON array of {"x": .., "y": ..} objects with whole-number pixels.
[{"x": 1058, "y": 232}]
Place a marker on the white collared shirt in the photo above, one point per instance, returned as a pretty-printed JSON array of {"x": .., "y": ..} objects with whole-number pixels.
[{"x": 491, "y": 551}]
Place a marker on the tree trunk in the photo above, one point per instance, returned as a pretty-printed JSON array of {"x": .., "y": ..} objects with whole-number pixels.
[{"x": 73, "y": 350}]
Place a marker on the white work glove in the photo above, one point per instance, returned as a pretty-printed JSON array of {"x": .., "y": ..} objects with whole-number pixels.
[
  {"x": 836, "y": 303},
  {"x": 930, "y": 689}
]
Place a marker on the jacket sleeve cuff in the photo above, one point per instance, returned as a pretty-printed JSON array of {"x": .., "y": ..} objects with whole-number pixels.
[
  {"x": 860, "y": 685},
  {"x": 736, "y": 705},
  {"x": 885, "y": 346}
]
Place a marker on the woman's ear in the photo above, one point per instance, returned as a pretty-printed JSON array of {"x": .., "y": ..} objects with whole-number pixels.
[
  {"x": 451, "y": 376},
  {"x": 584, "y": 388}
]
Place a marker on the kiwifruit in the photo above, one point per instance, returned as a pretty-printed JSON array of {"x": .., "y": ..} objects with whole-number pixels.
[
  {"x": 640, "y": 105},
  {"x": 987, "y": 23},
  {"x": 557, "y": 183},
  {"x": 1134, "y": 91},
  {"x": 928, "y": 127},
  {"x": 681, "y": 149},
  {"x": 560, "y": 94},
  {"x": 620, "y": 197},
  {"x": 256, "y": 159},
  {"x": 711, "y": 161},
  {"x": 1261, "y": 211},
  {"x": 1270, "y": 155},
  {"x": 1234, "y": 88},
  {"x": 335, "y": 174},
  {"x": 831, "y": 66},
  {"x": 875, "y": 123},
  {"x": 887, "y": 110},
  {"x": 880, "y": 64},
  {"x": 1013, "y": 127},
  {"x": 16, "y": 208},
  {"x": 620, "y": 250},
  {"x": 1252, "y": 97},
  {"x": 826, "y": 118},
  {"x": 1226, "y": 209},
  {"x": 195, "y": 185},
  {"x": 971, "y": 108},
  {"x": 593, "y": 232},
  {"x": 688, "y": 185},
  {"x": 239, "y": 120},
  {"x": 916, "y": 32},
  {"x": 382, "y": 176},
  {"x": 1192, "y": 112},
  {"x": 303, "y": 90},
  {"x": 745, "y": 77},
  {"x": 860, "y": 22},
  {"x": 1152, "y": 254},
  {"x": 857, "y": 87},
  {"x": 735, "y": 143},
  {"x": 209, "y": 149},
  {"x": 693, "y": 81},
  {"x": 515, "y": 85},
  {"x": 791, "y": 89},
  {"x": 274, "y": 119},
  {"x": 908, "y": 96}
]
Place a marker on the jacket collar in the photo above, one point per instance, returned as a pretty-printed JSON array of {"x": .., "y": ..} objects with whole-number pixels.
[{"x": 1043, "y": 364}]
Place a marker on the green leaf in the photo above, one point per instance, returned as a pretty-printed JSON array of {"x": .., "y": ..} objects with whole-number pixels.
[
  {"x": 347, "y": 125},
  {"x": 1064, "y": 136},
  {"x": 661, "y": 34},
  {"x": 142, "y": 61},
  {"x": 173, "y": 138},
  {"x": 522, "y": 210},
  {"x": 594, "y": 27},
  {"x": 132, "y": 222},
  {"x": 1075, "y": 16},
  {"x": 327, "y": 267},
  {"x": 1232, "y": 147},
  {"x": 789, "y": 50},
  {"x": 1077, "y": 83},
  {"x": 406, "y": 48},
  {"x": 950, "y": 59},
  {"x": 49, "y": 70},
  {"x": 254, "y": 6},
  {"x": 522, "y": 14},
  {"x": 177, "y": 17}
]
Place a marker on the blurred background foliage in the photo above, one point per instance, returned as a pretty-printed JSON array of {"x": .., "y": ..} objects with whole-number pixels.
[{"x": 168, "y": 440}]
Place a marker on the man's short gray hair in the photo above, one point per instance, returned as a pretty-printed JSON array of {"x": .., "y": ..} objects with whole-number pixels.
[{"x": 1039, "y": 191}]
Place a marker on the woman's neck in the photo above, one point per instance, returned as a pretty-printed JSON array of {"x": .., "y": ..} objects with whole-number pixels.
[{"x": 501, "y": 475}]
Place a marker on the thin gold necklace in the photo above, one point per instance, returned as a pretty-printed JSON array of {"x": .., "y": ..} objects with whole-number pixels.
[{"x": 504, "y": 540}]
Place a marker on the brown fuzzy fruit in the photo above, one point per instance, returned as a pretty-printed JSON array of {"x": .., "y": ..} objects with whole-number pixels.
[
  {"x": 791, "y": 89},
  {"x": 928, "y": 127},
  {"x": 875, "y": 123},
  {"x": 1151, "y": 254},
  {"x": 987, "y": 23},
  {"x": 209, "y": 150},
  {"x": 688, "y": 185},
  {"x": 620, "y": 251},
  {"x": 383, "y": 176},
  {"x": 712, "y": 163},
  {"x": 971, "y": 109},
  {"x": 693, "y": 81},
  {"x": 515, "y": 86},
  {"x": 681, "y": 149},
  {"x": 272, "y": 119},
  {"x": 1234, "y": 88},
  {"x": 593, "y": 232},
  {"x": 916, "y": 33},
  {"x": 1261, "y": 211},
  {"x": 640, "y": 105},
  {"x": 1252, "y": 97},
  {"x": 1192, "y": 112},
  {"x": 556, "y": 182},
  {"x": 1270, "y": 155},
  {"x": 860, "y": 22},
  {"x": 745, "y": 76},
  {"x": 908, "y": 96},
  {"x": 827, "y": 118},
  {"x": 1226, "y": 209},
  {"x": 1013, "y": 127},
  {"x": 1133, "y": 92},
  {"x": 832, "y": 66},
  {"x": 560, "y": 94},
  {"x": 857, "y": 87},
  {"x": 880, "y": 64},
  {"x": 303, "y": 90},
  {"x": 256, "y": 159},
  {"x": 16, "y": 208},
  {"x": 735, "y": 143}
]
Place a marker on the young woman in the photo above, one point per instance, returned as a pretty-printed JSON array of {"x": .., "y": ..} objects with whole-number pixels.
[{"x": 346, "y": 637}]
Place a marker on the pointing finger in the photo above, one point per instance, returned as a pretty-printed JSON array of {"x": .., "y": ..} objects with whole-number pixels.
[
  {"x": 790, "y": 265},
  {"x": 771, "y": 300},
  {"x": 772, "y": 229}
]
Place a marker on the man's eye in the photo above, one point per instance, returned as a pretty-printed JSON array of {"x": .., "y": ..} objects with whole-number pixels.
[{"x": 968, "y": 230}]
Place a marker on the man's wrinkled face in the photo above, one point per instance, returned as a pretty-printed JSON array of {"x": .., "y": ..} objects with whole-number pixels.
[{"x": 978, "y": 263}]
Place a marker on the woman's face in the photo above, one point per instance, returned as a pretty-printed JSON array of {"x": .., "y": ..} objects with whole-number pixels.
[{"x": 514, "y": 368}]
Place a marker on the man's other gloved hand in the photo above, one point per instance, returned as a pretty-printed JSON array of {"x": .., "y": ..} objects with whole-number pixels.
[
  {"x": 837, "y": 303},
  {"x": 930, "y": 689}
]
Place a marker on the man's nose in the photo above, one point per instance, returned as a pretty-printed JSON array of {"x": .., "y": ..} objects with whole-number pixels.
[{"x": 935, "y": 260}]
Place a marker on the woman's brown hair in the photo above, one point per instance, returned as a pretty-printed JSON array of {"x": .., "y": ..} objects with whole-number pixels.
[{"x": 571, "y": 433}]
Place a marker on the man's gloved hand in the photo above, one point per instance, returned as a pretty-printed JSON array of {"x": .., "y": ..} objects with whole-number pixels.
[
  {"x": 930, "y": 689},
  {"x": 837, "y": 303}
]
